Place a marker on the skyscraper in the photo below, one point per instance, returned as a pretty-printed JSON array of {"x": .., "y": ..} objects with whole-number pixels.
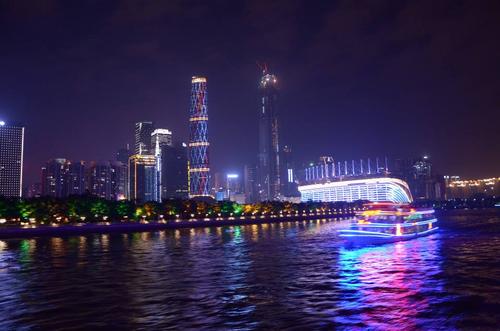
[
  {"x": 289, "y": 186},
  {"x": 123, "y": 154},
  {"x": 269, "y": 151},
  {"x": 122, "y": 157},
  {"x": 119, "y": 175},
  {"x": 11, "y": 159},
  {"x": 54, "y": 178},
  {"x": 100, "y": 180},
  {"x": 159, "y": 139},
  {"x": 199, "y": 168},
  {"x": 143, "y": 131},
  {"x": 75, "y": 178},
  {"x": 174, "y": 171},
  {"x": 419, "y": 175},
  {"x": 249, "y": 178}
]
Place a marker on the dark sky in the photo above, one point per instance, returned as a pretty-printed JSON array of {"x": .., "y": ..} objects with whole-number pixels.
[{"x": 357, "y": 78}]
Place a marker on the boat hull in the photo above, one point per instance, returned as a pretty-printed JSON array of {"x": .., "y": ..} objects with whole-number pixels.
[{"x": 361, "y": 238}]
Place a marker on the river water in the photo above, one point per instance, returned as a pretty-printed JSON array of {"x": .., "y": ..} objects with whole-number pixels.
[{"x": 294, "y": 275}]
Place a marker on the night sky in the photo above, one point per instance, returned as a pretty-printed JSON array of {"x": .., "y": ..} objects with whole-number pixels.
[{"x": 357, "y": 78}]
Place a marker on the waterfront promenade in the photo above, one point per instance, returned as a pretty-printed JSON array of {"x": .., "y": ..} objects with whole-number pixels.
[{"x": 141, "y": 226}]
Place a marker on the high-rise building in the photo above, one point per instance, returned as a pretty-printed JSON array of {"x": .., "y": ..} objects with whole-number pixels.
[
  {"x": 234, "y": 190},
  {"x": 11, "y": 159},
  {"x": 159, "y": 139},
  {"x": 250, "y": 183},
  {"x": 119, "y": 175},
  {"x": 288, "y": 176},
  {"x": 174, "y": 169},
  {"x": 123, "y": 154},
  {"x": 54, "y": 177},
  {"x": 100, "y": 180},
  {"x": 34, "y": 190},
  {"x": 418, "y": 174},
  {"x": 122, "y": 157},
  {"x": 142, "y": 178},
  {"x": 199, "y": 167},
  {"x": 75, "y": 178},
  {"x": 143, "y": 131},
  {"x": 269, "y": 150}
]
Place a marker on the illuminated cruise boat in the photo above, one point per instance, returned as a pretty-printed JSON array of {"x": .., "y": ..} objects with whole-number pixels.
[{"x": 389, "y": 222}]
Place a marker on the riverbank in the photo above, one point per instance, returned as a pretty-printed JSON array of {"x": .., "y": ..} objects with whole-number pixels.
[{"x": 123, "y": 227}]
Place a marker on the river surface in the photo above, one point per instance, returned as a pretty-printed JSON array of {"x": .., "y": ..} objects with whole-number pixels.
[{"x": 294, "y": 275}]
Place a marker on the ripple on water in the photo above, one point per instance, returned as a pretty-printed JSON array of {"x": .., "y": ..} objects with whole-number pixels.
[{"x": 293, "y": 275}]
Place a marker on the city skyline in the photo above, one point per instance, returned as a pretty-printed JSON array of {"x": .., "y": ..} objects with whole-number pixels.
[{"x": 321, "y": 98}]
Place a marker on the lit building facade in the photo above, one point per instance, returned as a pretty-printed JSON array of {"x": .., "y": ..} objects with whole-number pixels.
[
  {"x": 100, "y": 180},
  {"x": 142, "y": 178},
  {"x": 119, "y": 175},
  {"x": 269, "y": 150},
  {"x": 288, "y": 176},
  {"x": 199, "y": 166},
  {"x": 54, "y": 178},
  {"x": 372, "y": 189},
  {"x": 457, "y": 188},
  {"x": 75, "y": 178},
  {"x": 122, "y": 156},
  {"x": 11, "y": 159},
  {"x": 159, "y": 139},
  {"x": 143, "y": 131}
]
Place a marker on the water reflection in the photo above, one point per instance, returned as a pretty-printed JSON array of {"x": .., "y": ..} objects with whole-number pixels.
[
  {"x": 387, "y": 285},
  {"x": 264, "y": 276}
]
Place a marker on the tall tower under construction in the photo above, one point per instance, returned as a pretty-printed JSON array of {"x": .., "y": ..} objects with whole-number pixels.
[
  {"x": 199, "y": 167},
  {"x": 269, "y": 151}
]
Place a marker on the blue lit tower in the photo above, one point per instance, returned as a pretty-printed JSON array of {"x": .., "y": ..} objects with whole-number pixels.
[
  {"x": 269, "y": 150},
  {"x": 199, "y": 168}
]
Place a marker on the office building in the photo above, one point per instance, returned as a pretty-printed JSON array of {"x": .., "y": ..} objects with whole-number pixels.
[
  {"x": 143, "y": 131},
  {"x": 159, "y": 139},
  {"x": 34, "y": 190},
  {"x": 419, "y": 175},
  {"x": 269, "y": 150},
  {"x": 74, "y": 180},
  {"x": 199, "y": 166},
  {"x": 123, "y": 154},
  {"x": 100, "y": 180},
  {"x": 54, "y": 177},
  {"x": 174, "y": 171},
  {"x": 250, "y": 183},
  {"x": 11, "y": 159},
  {"x": 122, "y": 157},
  {"x": 288, "y": 175},
  {"x": 119, "y": 184},
  {"x": 142, "y": 178}
]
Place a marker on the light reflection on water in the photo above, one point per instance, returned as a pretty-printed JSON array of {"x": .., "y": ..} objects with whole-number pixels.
[
  {"x": 383, "y": 285},
  {"x": 272, "y": 276}
]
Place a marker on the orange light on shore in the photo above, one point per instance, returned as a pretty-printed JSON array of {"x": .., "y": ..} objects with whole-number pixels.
[{"x": 398, "y": 230}]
